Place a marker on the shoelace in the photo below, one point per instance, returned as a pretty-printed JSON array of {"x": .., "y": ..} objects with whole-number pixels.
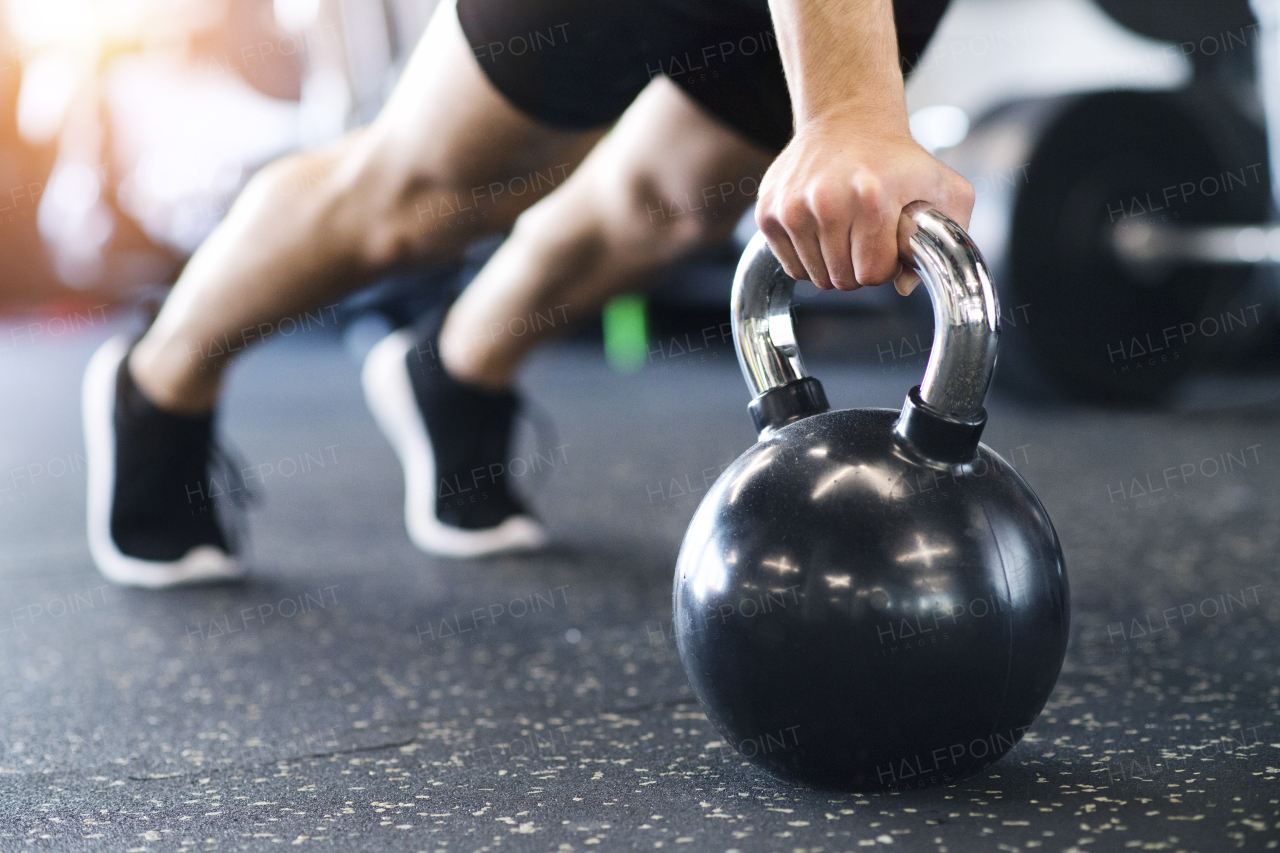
[{"x": 226, "y": 460}]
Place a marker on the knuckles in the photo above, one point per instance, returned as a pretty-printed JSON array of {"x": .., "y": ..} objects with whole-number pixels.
[
  {"x": 878, "y": 270},
  {"x": 861, "y": 200},
  {"x": 870, "y": 196},
  {"x": 794, "y": 213},
  {"x": 960, "y": 195},
  {"x": 864, "y": 198},
  {"x": 829, "y": 202},
  {"x": 771, "y": 226}
]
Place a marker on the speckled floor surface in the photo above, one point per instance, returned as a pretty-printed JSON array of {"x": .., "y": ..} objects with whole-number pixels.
[{"x": 336, "y": 701}]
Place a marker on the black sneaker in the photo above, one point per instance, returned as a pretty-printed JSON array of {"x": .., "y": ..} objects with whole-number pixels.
[
  {"x": 453, "y": 441},
  {"x": 152, "y": 521}
]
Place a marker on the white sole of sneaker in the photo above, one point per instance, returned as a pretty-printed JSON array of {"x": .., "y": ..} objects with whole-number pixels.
[
  {"x": 202, "y": 564},
  {"x": 389, "y": 393}
]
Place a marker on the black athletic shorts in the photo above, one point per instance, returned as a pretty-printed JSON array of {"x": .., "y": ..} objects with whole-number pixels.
[{"x": 578, "y": 64}]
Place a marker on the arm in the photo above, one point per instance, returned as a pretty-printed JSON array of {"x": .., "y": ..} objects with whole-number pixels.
[{"x": 830, "y": 203}]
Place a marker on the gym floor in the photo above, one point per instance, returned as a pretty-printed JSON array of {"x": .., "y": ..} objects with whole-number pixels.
[{"x": 355, "y": 694}]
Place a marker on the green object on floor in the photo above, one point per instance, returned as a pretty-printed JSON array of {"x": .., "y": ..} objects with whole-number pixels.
[{"x": 626, "y": 333}]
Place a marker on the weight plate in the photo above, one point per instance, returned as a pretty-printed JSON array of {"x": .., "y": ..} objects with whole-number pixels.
[
  {"x": 1182, "y": 20},
  {"x": 1101, "y": 328}
]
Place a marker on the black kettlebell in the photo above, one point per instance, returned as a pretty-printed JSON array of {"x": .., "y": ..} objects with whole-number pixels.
[{"x": 871, "y": 599}]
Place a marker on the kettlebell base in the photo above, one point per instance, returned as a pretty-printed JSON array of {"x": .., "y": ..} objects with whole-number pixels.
[
  {"x": 930, "y": 767},
  {"x": 905, "y": 778}
]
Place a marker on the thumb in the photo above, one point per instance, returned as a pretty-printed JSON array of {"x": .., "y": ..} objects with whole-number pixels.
[{"x": 906, "y": 282}]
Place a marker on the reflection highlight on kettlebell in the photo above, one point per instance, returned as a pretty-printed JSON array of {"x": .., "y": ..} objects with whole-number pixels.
[
  {"x": 744, "y": 476},
  {"x": 890, "y": 483},
  {"x": 747, "y": 607},
  {"x": 919, "y": 482},
  {"x": 913, "y": 632}
]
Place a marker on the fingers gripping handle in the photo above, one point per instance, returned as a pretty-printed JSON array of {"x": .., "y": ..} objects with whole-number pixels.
[{"x": 942, "y": 418}]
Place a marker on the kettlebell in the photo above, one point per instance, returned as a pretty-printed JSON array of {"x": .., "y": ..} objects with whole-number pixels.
[{"x": 871, "y": 599}]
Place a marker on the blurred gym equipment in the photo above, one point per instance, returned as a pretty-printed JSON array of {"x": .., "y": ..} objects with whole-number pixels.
[
  {"x": 134, "y": 134},
  {"x": 1139, "y": 216},
  {"x": 136, "y": 128}
]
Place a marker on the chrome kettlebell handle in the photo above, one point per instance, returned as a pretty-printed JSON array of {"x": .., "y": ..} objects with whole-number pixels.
[{"x": 943, "y": 416}]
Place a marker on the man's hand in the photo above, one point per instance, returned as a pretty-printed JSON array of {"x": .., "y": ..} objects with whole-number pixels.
[{"x": 830, "y": 204}]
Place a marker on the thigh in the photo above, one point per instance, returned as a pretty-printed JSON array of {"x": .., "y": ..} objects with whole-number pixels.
[
  {"x": 447, "y": 127},
  {"x": 700, "y": 169},
  {"x": 667, "y": 179},
  {"x": 669, "y": 173}
]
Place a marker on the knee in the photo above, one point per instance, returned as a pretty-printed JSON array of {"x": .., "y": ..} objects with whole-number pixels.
[
  {"x": 416, "y": 216},
  {"x": 629, "y": 218},
  {"x": 363, "y": 215},
  {"x": 382, "y": 213},
  {"x": 672, "y": 222}
]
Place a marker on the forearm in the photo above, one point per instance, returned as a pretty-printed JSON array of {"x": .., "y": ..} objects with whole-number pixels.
[{"x": 840, "y": 58}]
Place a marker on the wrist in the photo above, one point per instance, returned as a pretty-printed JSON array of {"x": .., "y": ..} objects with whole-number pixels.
[{"x": 878, "y": 117}]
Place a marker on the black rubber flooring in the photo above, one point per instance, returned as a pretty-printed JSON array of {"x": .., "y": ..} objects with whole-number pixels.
[{"x": 357, "y": 695}]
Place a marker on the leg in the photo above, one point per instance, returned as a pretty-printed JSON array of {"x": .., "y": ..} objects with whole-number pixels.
[
  {"x": 618, "y": 218},
  {"x": 667, "y": 180},
  {"x": 307, "y": 230},
  {"x": 315, "y": 226}
]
